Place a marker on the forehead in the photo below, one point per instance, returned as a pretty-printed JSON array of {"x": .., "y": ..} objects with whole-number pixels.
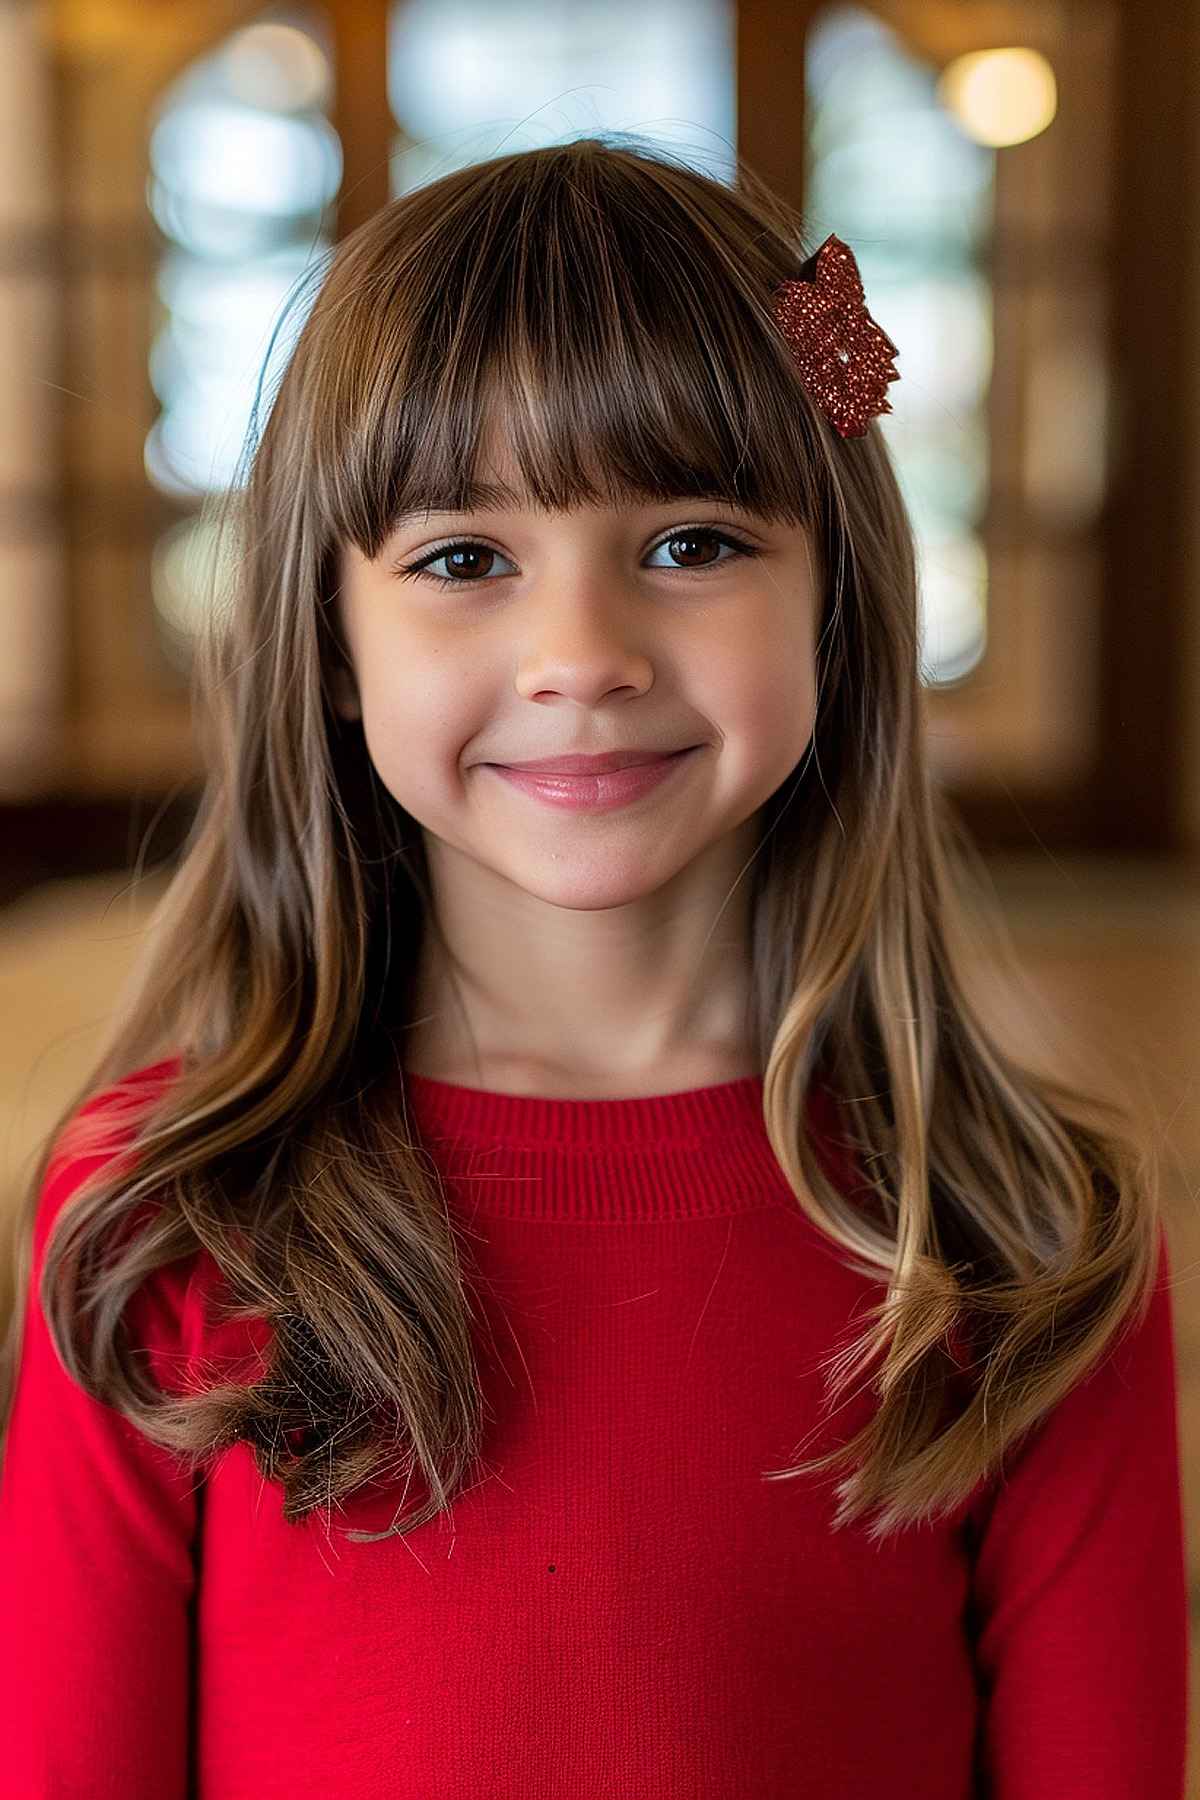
[{"x": 495, "y": 484}]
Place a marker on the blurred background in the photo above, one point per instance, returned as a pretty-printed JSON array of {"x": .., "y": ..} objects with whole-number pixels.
[{"x": 1018, "y": 179}]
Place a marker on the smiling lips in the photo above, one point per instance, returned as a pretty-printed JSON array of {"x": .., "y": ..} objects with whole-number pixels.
[
  {"x": 591, "y": 765},
  {"x": 601, "y": 789}
]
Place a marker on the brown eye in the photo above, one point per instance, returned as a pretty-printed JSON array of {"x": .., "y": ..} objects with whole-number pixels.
[
  {"x": 463, "y": 559},
  {"x": 690, "y": 541},
  {"x": 690, "y": 549}
]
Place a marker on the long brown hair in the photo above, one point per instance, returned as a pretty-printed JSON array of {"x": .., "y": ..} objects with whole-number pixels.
[{"x": 612, "y": 306}]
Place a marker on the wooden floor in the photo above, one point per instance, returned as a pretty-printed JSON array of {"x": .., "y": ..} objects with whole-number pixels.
[{"x": 1112, "y": 957}]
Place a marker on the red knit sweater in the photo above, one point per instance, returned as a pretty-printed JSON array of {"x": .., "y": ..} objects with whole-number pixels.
[{"x": 621, "y": 1605}]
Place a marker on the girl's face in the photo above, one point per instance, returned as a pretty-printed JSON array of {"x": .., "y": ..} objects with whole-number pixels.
[{"x": 659, "y": 627}]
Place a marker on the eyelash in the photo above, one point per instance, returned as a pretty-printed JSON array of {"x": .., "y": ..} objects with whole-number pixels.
[{"x": 419, "y": 568}]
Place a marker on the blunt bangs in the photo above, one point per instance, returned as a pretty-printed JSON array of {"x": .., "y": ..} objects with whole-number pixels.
[{"x": 588, "y": 327}]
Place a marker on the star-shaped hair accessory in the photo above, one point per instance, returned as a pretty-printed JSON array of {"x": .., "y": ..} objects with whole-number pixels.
[{"x": 844, "y": 357}]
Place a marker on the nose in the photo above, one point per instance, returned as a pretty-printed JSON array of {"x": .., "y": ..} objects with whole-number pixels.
[{"x": 581, "y": 638}]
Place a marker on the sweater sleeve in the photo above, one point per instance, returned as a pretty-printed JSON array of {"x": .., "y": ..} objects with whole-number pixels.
[
  {"x": 96, "y": 1572},
  {"x": 1080, "y": 1589}
]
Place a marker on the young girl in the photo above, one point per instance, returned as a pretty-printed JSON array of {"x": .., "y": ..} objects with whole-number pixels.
[{"x": 507, "y": 1203}]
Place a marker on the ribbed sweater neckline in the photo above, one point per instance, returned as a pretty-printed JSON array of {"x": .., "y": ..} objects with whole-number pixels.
[{"x": 696, "y": 1153}]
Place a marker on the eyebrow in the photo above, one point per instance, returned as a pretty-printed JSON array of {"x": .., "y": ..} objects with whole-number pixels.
[
  {"x": 477, "y": 496},
  {"x": 497, "y": 496}
]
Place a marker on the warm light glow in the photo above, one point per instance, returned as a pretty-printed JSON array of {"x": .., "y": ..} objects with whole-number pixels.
[
  {"x": 1000, "y": 97},
  {"x": 953, "y": 584},
  {"x": 192, "y": 574},
  {"x": 278, "y": 68}
]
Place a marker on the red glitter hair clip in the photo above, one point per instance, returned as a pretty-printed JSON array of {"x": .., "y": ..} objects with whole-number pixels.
[{"x": 844, "y": 357}]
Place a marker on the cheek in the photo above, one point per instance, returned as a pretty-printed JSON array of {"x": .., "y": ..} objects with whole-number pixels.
[
  {"x": 766, "y": 703},
  {"x": 418, "y": 711}
]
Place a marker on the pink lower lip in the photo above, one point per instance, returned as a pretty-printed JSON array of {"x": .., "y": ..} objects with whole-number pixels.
[{"x": 593, "y": 793}]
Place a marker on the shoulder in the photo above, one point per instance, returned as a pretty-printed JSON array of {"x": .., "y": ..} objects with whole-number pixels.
[
  {"x": 99, "y": 1129},
  {"x": 170, "y": 1316},
  {"x": 835, "y": 1149},
  {"x": 105, "y": 1120}
]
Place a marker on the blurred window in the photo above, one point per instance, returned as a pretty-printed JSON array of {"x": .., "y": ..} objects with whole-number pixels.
[
  {"x": 889, "y": 170},
  {"x": 661, "y": 68},
  {"x": 244, "y": 166}
]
